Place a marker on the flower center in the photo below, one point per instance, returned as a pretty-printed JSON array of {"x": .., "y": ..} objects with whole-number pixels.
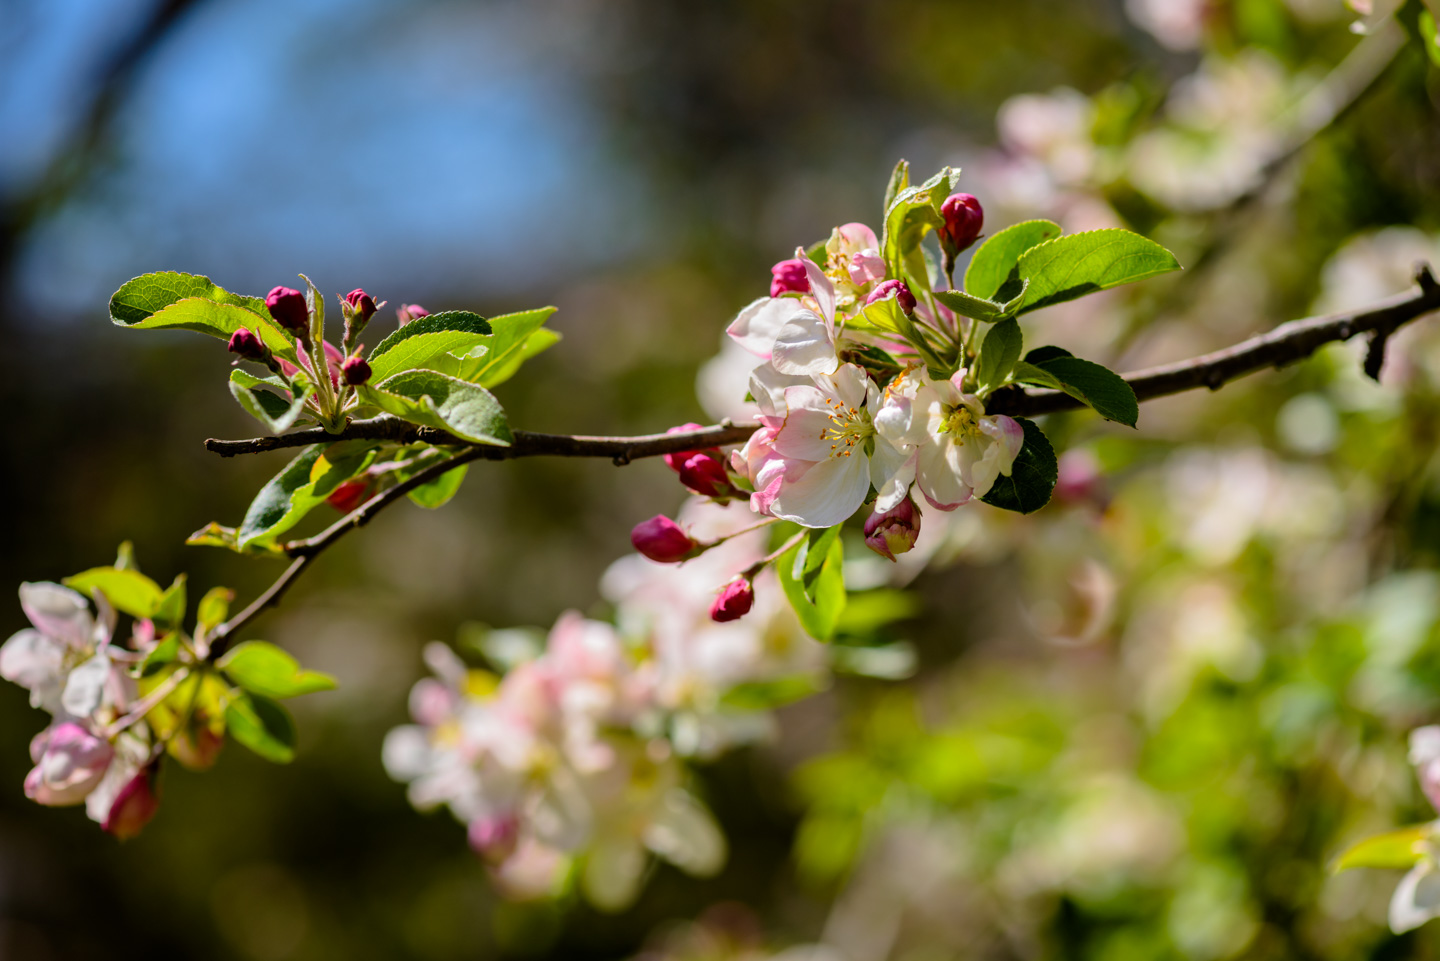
[
  {"x": 850, "y": 427},
  {"x": 959, "y": 421}
]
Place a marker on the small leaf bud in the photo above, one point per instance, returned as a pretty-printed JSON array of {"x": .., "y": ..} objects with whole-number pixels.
[
  {"x": 287, "y": 306},
  {"x": 355, "y": 370},
  {"x": 903, "y": 298},
  {"x": 734, "y": 601},
  {"x": 245, "y": 343},
  {"x": 964, "y": 219},
  {"x": 662, "y": 540},
  {"x": 789, "y": 277},
  {"x": 894, "y": 531}
]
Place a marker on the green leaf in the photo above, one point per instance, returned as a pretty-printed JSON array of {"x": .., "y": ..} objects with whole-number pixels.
[
  {"x": 439, "y": 491},
  {"x": 1043, "y": 355},
  {"x": 868, "y": 611},
  {"x": 275, "y": 412},
  {"x": 1079, "y": 264},
  {"x": 913, "y": 213},
  {"x": 999, "y": 353},
  {"x": 1027, "y": 373},
  {"x": 820, "y": 560},
  {"x": 432, "y": 399},
  {"x": 1394, "y": 849},
  {"x": 1095, "y": 385},
  {"x": 537, "y": 343},
  {"x": 214, "y": 607},
  {"x": 304, "y": 483},
  {"x": 995, "y": 260},
  {"x": 170, "y": 612},
  {"x": 768, "y": 695},
  {"x": 164, "y": 653},
  {"x": 265, "y": 669},
  {"x": 1430, "y": 36},
  {"x": 509, "y": 346},
  {"x": 419, "y": 343},
  {"x": 125, "y": 557},
  {"x": 191, "y": 302},
  {"x": 962, "y": 303},
  {"x": 263, "y": 726},
  {"x": 128, "y": 591},
  {"x": 899, "y": 180},
  {"x": 1032, "y": 477}
]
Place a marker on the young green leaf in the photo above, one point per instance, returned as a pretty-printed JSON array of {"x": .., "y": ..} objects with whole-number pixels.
[
  {"x": 277, "y": 413},
  {"x": 1079, "y": 264},
  {"x": 1032, "y": 476},
  {"x": 128, "y": 591},
  {"x": 265, "y": 669},
  {"x": 162, "y": 654},
  {"x": 125, "y": 557},
  {"x": 516, "y": 338},
  {"x": 995, "y": 260},
  {"x": 537, "y": 342},
  {"x": 422, "y": 341},
  {"x": 1394, "y": 849},
  {"x": 304, "y": 483},
  {"x": 999, "y": 353},
  {"x": 432, "y": 399},
  {"x": 263, "y": 726},
  {"x": 1095, "y": 385},
  {"x": 913, "y": 213},
  {"x": 170, "y": 611},
  {"x": 214, "y": 606},
  {"x": 438, "y": 492},
  {"x": 899, "y": 180},
  {"x": 190, "y": 302},
  {"x": 986, "y": 311},
  {"x": 819, "y": 610},
  {"x": 1027, "y": 373}
]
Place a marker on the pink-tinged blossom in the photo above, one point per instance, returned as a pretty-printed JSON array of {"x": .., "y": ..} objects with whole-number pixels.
[
  {"x": 798, "y": 337},
  {"x": 287, "y": 305},
  {"x": 495, "y": 837},
  {"x": 894, "y": 531},
  {"x": 69, "y": 763},
  {"x": 135, "y": 804},
  {"x": 662, "y": 540},
  {"x": 734, "y": 601},
  {"x": 954, "y": 450},
  {"x": 63, "y": 659},
  {"x": 788, "y": 276},
  {"x": 1417, "y": 898},
  {"x": 827, "y": 451},
  {"x": 854, "y": 255},
  {"x": 408, "y": 312},
  {"x": 893, "y": 288}
]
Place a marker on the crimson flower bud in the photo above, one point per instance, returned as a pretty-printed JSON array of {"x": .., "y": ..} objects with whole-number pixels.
[
  {"x": 355, "y": 370},
  {"x": 789, "y": 277},
  {"x": 903, "y": 298},
  {"x": 676, "y": 461},
  {"x": 287, "y": 306},
  {"x": 408, "y": 312},
  {"x": 964, "y": 219},
  {"x": 247, "y": 345},
  {"x": 134, "y": 806},
  {"x": 895, "y": 531},
  {"x": 734, "y": 601},
  {"x": 704, "y": 473},
  {"x": 362, "y": 304},
  {"x": 349, "y": 495},
  {"x": 662, "y": 540}
]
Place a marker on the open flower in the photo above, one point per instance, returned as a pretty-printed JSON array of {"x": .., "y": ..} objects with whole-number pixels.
[
  {"x": 826, "y": 452},
  {"x": 798, "y": 337},
  {"x": 955, "y": 450},
  {"x": 1417, "y": 899},
  {"x": 63, "y": 659},
  {"x": 69, "y": 764}
]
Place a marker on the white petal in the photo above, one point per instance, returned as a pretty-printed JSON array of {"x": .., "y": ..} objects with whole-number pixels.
[
  {"x": 1417, "y": 899},
  {"x": 36, "y": 662},
  {"x": 895, "y": 489},
  {"x": 820, "y": 287},
  {"x": 85, "y": 685},
  {"x": 58, "y": 612},
  {"x": 768, "y": 386},
  {"x": 612, "y": 873},
  {"x": 805, "y": 345},
  {"x": 804, "y": 435},
  {"x": 406, "y": 752},
  {"x": 938, "y": 478},
  {"x": 756, "y": 326},
  {"x": 685, "y": 834},
  {"x": 829, "y": 492},
  {"x": 885, "y": 462}
]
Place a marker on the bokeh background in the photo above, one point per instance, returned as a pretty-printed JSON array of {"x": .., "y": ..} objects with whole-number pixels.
[{"x": 1142, "y": 721}]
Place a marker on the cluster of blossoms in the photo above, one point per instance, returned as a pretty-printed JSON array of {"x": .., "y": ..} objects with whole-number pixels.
[
  {"x": 576, "y": 756},
  {"x": 96, "y": 750}
]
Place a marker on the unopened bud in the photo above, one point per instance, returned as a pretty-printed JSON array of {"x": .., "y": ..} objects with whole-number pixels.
[
  {"x": 349, "y": 495},
  {"x": 789, "y": 277},
  {"x": 704, "y": 473},
  {"x": 903, "y": 298},
  {"x": 894, "y": 531},
  {"x": 964, "y": 219},
  {"x": 134, "y": 806},
  {"x": 247, "y": 345},
  {"x": 662, "y": 540},
  {"x": 355, "y": 370},
  {"x": 287, "y": 306},
  {"x": 362, "y": 305},
  {"x": 408, "y": 312},
  {"x": 734, "y": 601},
  {"x": 494, "y": 838}
]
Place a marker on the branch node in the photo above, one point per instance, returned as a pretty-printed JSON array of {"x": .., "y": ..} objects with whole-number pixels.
[
  {"x": 1375, "y": 355},
  {"x": 622, "y": 458},
  {"x": 1215, "y": 378},
  {"x": 1426, "y": 279}
]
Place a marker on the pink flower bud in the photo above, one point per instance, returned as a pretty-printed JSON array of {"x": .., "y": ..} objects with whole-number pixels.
[
  {"x": 408, "y": 312},
  {"x": 964, "y": 219},
  {"x": 69, "y": 763},
  {"x": 675, "y": 461},
  {"x": 349, "y": 495},
  {"x": 494, "y": 838},
  {"x": 134, "y": 806},
  {"x": 704, "y": 473},
  {"x": 903, "y": 298},
  {"x": 895, "y": 531},
  {"x": 247, "y": 345},
  {"x": 662, "y": 540},
  {"x": 789, "y": 277},
  {"x": 734, "y": 601},
  {"x": 287, "y": 306},
  {"x": 362, "y": 304},
  {"x": 355, "y": 370}
]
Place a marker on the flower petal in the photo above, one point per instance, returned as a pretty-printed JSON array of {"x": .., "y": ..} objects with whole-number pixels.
[
  {"x": 805, "y": 345},
  {"x": 58, "y": 612},
  {"x": 685, "y": 834},
  {"x": 820, "y": 287},
  {"x": 829, "y": 492},
  {"x": 755, "y": 327},
  {"x": 85, "y": 686},
  {"x": 1417, "y": 899}
]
